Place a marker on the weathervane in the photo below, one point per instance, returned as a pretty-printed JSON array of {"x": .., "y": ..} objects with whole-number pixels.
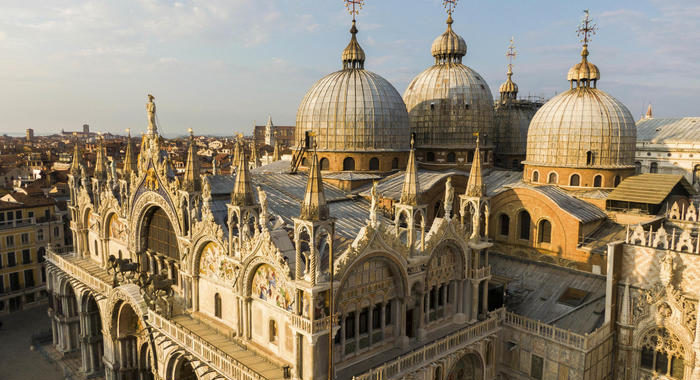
[
  {"x": 449, "y": 5},
  {"x": 587, "y": 29},
  {"x": 354, "y": 7},
  {"x": 511, "y": 53}
]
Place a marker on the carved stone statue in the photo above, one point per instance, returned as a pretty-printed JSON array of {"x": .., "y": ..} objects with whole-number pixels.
[
  {"x": 151, "y": 111},
  {"x": 262, "y": 198},
  {"x": 449, "y": 198},
  {"x": 666, "y": 268},
  {"x": 373, "y": 206}
]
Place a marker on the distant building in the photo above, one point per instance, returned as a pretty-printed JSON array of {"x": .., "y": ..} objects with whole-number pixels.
[
  {"x": 28, "y": 222},
  {"x": 30, "y": 135},
  {"x": 669, "y": 146},
  {"x": 269, "y": 133}
]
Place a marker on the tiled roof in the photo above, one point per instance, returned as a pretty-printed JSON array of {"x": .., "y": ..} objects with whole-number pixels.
[
  {"x": 534, "y": 290},
  {"x": 650, "y": 188}
]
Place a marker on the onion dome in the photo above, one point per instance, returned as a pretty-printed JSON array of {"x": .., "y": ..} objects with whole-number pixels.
[
  {"x": 449, "y": 46},
  {"x": 584, "y": 71},
  {"x": 583, "y": 127},
  {"x": 509, "y": 90},
  {"x": 354, "y": 109},
  {"x": 449, "y": 102},
  {"x": 353, "y": 56}
]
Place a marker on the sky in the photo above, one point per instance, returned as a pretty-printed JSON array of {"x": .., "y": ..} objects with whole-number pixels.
[{"x": 218, "y": 66}]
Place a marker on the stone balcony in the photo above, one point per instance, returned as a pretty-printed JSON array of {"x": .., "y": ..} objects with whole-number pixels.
[{"x": 420, "y": 356}]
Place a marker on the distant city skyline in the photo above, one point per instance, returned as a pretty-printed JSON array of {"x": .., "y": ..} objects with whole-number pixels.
[{"x": 218, "y": 66}]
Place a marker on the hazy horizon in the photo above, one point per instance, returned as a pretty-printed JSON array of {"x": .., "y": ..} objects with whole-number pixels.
[{"x": 218, "y": 66}]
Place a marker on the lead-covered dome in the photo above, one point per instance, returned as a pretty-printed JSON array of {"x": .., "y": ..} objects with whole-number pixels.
[
  {"x": 583, "y": 127},
  {"x": 354, "y": 109},
  {"x": 449, "y": 102}
]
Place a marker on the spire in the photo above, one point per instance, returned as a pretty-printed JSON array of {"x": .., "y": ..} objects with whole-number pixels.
[
  {"x": 411, "y": 187},
  {"x": 100, "y": 164},
  {"x": 509, "y": 90},
  {"x": 242, "y": 194},
  {"x": 192, "y": 180},
  {"x": 475, "y": 186},
  {"x": 130, "y": 165},
  {"x": 649, "y": 114},
  {"x": 625, "y": 317},
  {"x": 236, "y": 152},
  {"x": 314, "y": 206},
  {"x": 77, "y": 159},
  {"x": 254, "y": 154},
  {"x": 276, "y": 152},
  {"x": 269, "y": 122},
  {"x": 585, "y": 74}
]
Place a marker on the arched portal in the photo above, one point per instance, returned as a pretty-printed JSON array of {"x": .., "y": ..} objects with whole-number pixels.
[
  {"x": 91, "y": 341},
  {"x": 468, "y": 367},
  {"x": 66, "y": 323},
  {"x": 180, "y": 368},
  {"x": 127, "y": 328}
]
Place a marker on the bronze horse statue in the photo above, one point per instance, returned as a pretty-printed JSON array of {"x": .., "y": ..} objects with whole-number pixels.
[
  {"x": 155, "y": 284},
  {"x": 122, "y": 266}
]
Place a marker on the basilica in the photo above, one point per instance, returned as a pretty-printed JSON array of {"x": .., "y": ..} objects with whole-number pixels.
[{"x": 438, "y": 235}]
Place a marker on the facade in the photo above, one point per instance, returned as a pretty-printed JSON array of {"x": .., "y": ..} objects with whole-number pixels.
[
  {"x": 570, "y": 269},
  {"x": 28, "y": 225},
  {"x": 265, "y": 136}
]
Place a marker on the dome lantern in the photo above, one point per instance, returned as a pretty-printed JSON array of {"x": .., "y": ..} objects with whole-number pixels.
[
  {"x": 509, "y": 90},
  {"x": 584, "y": 73},
  {"x": 353, "y": 55}
]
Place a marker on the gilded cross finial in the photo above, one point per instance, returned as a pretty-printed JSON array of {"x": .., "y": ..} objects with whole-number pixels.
[
  {"x": 354, "y": 7},
  {"x": 449, "y": 5},
  {"x": 587, "y": 29},
  {"x": 511, "y": 53}
]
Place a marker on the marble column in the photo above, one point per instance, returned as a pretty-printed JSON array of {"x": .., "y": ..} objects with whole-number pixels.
[{"x": 475, "y": 301}]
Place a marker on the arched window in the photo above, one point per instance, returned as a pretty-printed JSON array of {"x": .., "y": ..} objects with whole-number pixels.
[
  {"x": 430, "y": 157},
  {"x": 325, "y": 164},
  {"x": 575, "y": 180},
  {"x": 374, "y": 163},
  {"x": 451, "y": 157},
  {"x": 348, "y": 163},
  {"x": 304, "y": 162},
  {"x": 470, "y": 156},
  {"x": 504, "y": 222},
  {"x": 160, "y": 236},
  {"x": 662, "y": 354},
  {"x": 516, "y": 164},
  {"x": 545, "y": 231},
  {"x": 552, "y": 180},
  {"x": 589, "y": 158},
  {"x": 438, "y": 373},
  {"x": 638, "y": 167},
  {"x": 654, "y": 167},
  {"x": 535, "y": 176},
  {"x": 616, "y": 181},
  {"x": 395, "y": 163},
  {"x": 598, "y": 181},
  {"x": 217, "y": 305},
  {"x": 524, "y": 219}
]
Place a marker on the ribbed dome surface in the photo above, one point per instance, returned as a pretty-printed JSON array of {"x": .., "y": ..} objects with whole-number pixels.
[
  {"x": 446, "y": 104},
  {"x": 579, "y": 121},
  {"x": 354, "y": 110},
  {"x": 512, "y": 122}
]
